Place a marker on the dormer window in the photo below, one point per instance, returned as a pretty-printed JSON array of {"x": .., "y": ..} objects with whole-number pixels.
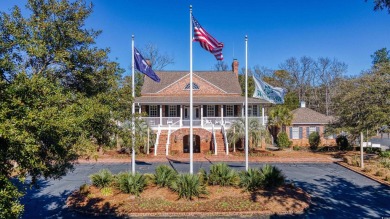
[{"x": 194, "y": 86}]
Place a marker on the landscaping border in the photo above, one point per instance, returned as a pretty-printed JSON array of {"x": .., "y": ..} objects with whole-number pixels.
[{"x": 354, "y": 169}]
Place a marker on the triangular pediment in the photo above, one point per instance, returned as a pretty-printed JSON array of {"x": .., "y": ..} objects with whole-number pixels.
[{"x": 180, "y": 86}]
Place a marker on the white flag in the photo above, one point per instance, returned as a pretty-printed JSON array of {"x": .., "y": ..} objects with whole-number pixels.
[{"x": 267, "y": 92}]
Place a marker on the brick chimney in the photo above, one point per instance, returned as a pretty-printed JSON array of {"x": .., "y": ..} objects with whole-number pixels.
[{"x": 235, "y": 67}]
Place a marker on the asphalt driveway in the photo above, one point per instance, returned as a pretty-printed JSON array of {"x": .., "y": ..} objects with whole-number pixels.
[{"x": 336, "y": 191}]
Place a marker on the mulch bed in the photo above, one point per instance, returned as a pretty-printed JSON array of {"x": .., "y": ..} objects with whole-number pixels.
[{"x": 227, "y": 201}]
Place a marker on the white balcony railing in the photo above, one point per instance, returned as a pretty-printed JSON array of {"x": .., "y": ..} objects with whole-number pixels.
[{"x": 176, "y": 122}]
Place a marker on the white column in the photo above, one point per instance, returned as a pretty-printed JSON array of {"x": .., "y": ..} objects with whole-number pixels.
[
  {"x": 139, "y": 108},
  {"x": 181, "y": 115},
  {"x": 161, "y": 114},
  {"x": 262, "y": 115},
  {"x": 221, "y": 114},
  {"x": 201, "y": 115}
]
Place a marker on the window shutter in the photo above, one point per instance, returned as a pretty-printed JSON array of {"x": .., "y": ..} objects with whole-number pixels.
[
  {"x": 147, "y": 109},
  {"x": 318, "y": 130},
  {"x": 224, "y": 110},
  {"x": 204, "y": 110},
  {"x": 300, "y": 132},
  {"x": 235, "y": 110},
  {"x": 307, "y": 132},
  {"x": 216, "y": 110},
  {"x": 178, "y": 111},
  {"x": 166, "y": 111},
  {"x": 158, "y": 110},
  {"x": 291, "y": 133}
]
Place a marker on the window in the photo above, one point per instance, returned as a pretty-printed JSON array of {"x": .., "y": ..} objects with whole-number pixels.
[
  {"x": 210, "y": 110},
  {"x": 295, "y": 133},
  {"x": 229, "y": 110},
  {"x": 194, "y": 86},
  {"x": 172, "y": 111},
  {"x": 312, "y": 129},
  {"x": 153, "y": 111},
  {"x": 254, "y": 111}
]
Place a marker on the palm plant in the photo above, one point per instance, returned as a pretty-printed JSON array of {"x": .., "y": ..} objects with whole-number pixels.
[
  {"x": 278, "y": 118},
  {"x": 272, "y": 176},
  {"x": 164, "y": 176},
  {"x": 131, "y": 183},
  {"x": 188, "y": 186},
  {"x": 237, "y": 132},
  {"x": 102, "y": 179},
  {"x": 251, "y": 180},
  {"x": 221, "y": 174},
  {"x": 141, "y": 134}
]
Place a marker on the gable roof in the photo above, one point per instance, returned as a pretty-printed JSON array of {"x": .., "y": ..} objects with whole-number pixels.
[
  {"x": 305, "y": 115},
  {"x": 224, "y": 80}
]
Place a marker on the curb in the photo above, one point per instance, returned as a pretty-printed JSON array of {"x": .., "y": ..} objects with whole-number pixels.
[{"x": 362, "y": 173}]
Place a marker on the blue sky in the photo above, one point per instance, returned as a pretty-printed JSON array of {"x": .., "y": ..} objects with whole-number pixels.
[{"x": 348, "y": 30}]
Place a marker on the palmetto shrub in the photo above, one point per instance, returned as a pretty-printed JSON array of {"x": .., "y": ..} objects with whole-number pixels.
[
  {"x": 272, "y": 177},
  {"x": 101, "y": 179},
  {"x": 221, "y": 174},
  {"x": 203, "y": 177},
  {"x": 188, "y": 186},
  {"x": 164, "y": 176},
  {"x": 131, "y": 184},
  {"x": 251, "y": 180}
]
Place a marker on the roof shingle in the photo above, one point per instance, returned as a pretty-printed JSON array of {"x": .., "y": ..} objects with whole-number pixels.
[{"x": 309, "y": 116}]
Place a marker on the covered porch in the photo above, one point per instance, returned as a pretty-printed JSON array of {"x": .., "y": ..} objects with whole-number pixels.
[{"x": 208, "y": 112}]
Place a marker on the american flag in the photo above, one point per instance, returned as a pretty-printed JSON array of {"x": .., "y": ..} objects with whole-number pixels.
[{"x": 206, "y": 41}]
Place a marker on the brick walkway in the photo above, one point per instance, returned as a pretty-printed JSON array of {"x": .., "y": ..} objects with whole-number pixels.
[{"x": 279, "y": 157}]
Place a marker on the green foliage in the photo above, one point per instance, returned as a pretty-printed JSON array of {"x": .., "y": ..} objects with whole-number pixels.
[
  {"x": 251, "y": 84},
  {"x": 164, "y": 176},
  {"x": 256, "y": 132},
  {"x": 363, "y": 102},
  {"x": 342, "y": 142},
  {"x": 102, "y": 179},
  {"x": 384, "y": 154},
  {"x": 203, "y": 177},
  {"x": 9, "y": 199},
  {"x": 314, "y": 140},
  {"x": 188, "y": 186},
  {"x": 84, "y": 189},
  {"x": 272, "y": 177},
  {"x": 131, "y": 184},
  {"x": 381, "y": 56},
  {"x": 221, "y": 174},
  {"x": 251, "y": 180},
  {"x": 283, "y": 141},
  {"x": 106, "y": 191}
]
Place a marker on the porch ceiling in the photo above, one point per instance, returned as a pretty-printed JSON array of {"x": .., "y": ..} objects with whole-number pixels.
[{"x": 197, "y": 100}]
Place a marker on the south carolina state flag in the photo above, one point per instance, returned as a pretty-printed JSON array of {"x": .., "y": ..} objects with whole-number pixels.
[{"x": 143, "y": 67}]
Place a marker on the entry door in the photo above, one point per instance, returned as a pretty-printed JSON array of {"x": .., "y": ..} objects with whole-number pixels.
[{"x": 195, "y": 111}]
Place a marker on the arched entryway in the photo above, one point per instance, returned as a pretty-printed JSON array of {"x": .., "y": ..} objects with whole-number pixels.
[{"x": 196, "y": 144}]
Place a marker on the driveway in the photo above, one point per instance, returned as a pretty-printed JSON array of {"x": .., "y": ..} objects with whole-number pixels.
[{"x": 336, "y": 191}]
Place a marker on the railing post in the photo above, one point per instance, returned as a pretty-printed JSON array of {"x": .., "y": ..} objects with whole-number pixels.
[
  {"x": 157, "y": 140},
  {"x": 168, "y": 140},
  {"x": 215, "y": 141}
]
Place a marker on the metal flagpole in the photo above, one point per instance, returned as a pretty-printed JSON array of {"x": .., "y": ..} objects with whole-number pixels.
[
  {"x": 246, "y": 104},
  {"x": 191, "y": 130},
  {"x": 133, "y": 107}
]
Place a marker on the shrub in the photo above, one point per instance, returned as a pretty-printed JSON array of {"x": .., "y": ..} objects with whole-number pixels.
[
  {"x": 84, "y": 189},
  {"x": 131, "y": 184},
  {"x": 380, "y": 173},
  {"x": 188, "y": 186},
  {"x": 384, "y": 154},
  {"x": 164, "y": 176},
  {"x": 385, "y": 162},
  {"x": 102, "y": 179},
  {"x": 283, "y": 141},
  {"x": 106, "y": 191},
  {"x": 387, "y": 178},
  {"x": 342, "y": 142},
  {"x": 251, "y": 180},
  {"x": 347, "y": 160},
  {"x": 314, "y": 140},
  {"x": 203, "y": 176},
  {"x": 221, "y": 174},
  {"x": 272, "y": 176},
  {"x": 296, "y": 148},
  {"x": 367, "y": 169}
]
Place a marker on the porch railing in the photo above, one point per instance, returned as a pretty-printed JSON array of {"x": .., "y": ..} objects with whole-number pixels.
[{"x": 176, "y": 122}]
